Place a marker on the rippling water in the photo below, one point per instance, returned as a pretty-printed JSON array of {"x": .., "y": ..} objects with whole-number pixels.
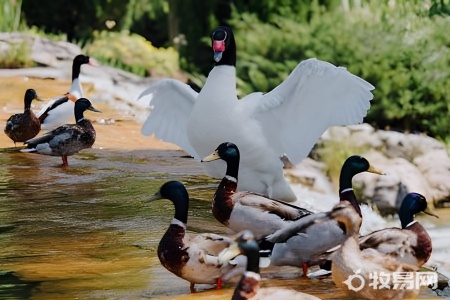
[{"x": 86, "y": 231}]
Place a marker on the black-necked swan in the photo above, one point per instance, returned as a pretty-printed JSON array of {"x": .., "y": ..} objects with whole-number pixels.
[
  {"x": 59, "y": 110},
  {"x": 287, "y": 120}
]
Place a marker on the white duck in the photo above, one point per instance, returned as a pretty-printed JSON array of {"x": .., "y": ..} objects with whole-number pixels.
[
  {"x": 288, "y": 120},
  {"x": 59, "y": 110}
]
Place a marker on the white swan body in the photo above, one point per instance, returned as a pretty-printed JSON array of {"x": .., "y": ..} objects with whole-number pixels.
[
  {"x": 59, "y": 111},
  {"x": 288, "y": 120}
]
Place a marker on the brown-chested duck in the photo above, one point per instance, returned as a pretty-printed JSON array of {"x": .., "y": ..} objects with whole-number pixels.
[
  {"x": 247, "y": 210},
  {"x": 302, "y": 243},
  {"x": 24, "y": 126},
  {"x": 67, "y": 139},
  {"x": 190, "y": 256},
  {"x": 349, "y": 261},
  {"x": 410, "y": 244}
]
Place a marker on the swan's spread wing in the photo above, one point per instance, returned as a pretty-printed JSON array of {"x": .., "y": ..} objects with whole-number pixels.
[
  {"x": 171, "y": 104},
  {"x": 315, "y": 96}
]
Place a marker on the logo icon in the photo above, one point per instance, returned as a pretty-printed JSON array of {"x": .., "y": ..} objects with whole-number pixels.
[{"x": 355, "y": 277}]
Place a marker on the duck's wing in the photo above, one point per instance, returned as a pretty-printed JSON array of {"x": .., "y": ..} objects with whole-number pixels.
[
  {"x": 171, "y": 104},
  {"x": 283, "y": 210},
  {"x": 391, "y": 241},
  {"x": 62, "y": 132},
  {"x": 315, "y": 96},
  {"x": 300, "y": 225},
  {"x": 56, "y": 112},
  {"x": 212, "y": 243}
]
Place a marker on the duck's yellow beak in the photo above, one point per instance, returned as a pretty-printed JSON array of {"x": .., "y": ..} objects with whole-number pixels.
[
  {"x": 428, "y": 212},
  {"x": 91, "y": 108},
  {"x": 211, "y": 157},
  {"x": 375, "y": 171},
  {"x": 229, "y": 253},
  {"x": 154, "y": 197}
]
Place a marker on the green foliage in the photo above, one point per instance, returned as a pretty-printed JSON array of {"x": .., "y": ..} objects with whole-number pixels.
[
  {"x": 333, "y": 154},
  {"x": 17, "y": 56},
  {"x": 400, "y": 50},
  {"x": 131, "y": 52},
  {"x": 10, "y": 11}
]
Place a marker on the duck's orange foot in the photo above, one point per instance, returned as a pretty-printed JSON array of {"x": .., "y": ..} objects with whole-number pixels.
[
  {"x": 305, "y": 269},
  {"x": 65, "y": 163},
  {"x": 219, "y": 283}
]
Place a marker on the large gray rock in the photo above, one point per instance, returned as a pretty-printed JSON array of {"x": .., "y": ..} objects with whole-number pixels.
[
  {"x": 385, "y": 192},
  {"x": 435, "y": 167},
  {"x": 407, "y": 145}
]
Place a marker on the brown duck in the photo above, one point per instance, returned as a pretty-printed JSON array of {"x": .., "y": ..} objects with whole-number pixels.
[
  {"x": 410, "y": 244},
  {"x": 190, "y": 256},
  {"x": 24, "y": 126},
  {"x": 67, "y": 139}
]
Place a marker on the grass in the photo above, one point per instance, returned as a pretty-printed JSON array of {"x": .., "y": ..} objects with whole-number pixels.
[
  {"x": 17, "y": 56},
  {"x": 131, "y": 52},
  {"x": 333, "y": 154}
]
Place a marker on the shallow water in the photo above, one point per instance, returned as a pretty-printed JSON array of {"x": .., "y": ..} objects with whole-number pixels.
[{"x": 86, "y": 231}]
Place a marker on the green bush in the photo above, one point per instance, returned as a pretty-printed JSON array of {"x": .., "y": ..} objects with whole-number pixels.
[
  {"x": 131, "y": 52},
  {"x": 17, "y": 56},
  {"x": 10, "y": 11},
  {"x": 402, "y": 51}
]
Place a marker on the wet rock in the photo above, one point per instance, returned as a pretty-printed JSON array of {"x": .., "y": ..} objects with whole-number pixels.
[
  {"x": 407, "y": 145},
  {"x": 435, "y": 167},
  {"x": 387, "y": 191}
]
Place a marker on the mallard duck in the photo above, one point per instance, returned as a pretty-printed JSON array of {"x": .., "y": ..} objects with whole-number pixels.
[
  {"x": 59, "y": 110},
  {"x": 287, "y": 120},
  {"x": 192, "y": 257},
  {"x": 302, "y": 243},
  {"x": 247, "y": 210},
  {"x": 349, "y": 261},
  {"x": 24, "y": 126},
  {"x": 249, "y": 285},
  {"x": 411, "y": 244},
  {"x": 67, "y": 139}
]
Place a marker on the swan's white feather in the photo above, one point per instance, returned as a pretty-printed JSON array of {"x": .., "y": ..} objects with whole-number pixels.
[
  {"x": 290, "y": 119},
  {"x": 315, "y": 96},
  {"x": 171, "y": 104},
  {"x": 60, "y": 115}
]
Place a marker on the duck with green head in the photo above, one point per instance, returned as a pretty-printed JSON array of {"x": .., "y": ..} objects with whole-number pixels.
[
  {"x": 410, "y": 244},
  {"x": 305, "y": 242},
  {"x": 190, "y": 256},
  {"x": 249, "y": 285},
  {"x": 67, "y": 139},
  {"x": 349, "y": 260},
  {"x": 246, "y": 210},
  {"x": 24, "y": 126}
]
